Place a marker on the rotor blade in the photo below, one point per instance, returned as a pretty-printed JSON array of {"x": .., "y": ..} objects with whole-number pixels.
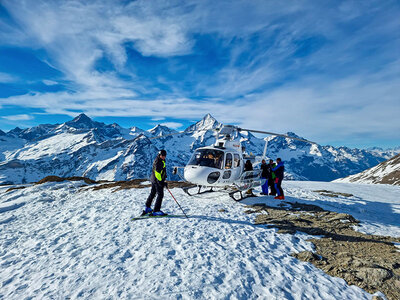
[{"x": 277, "y": 134}]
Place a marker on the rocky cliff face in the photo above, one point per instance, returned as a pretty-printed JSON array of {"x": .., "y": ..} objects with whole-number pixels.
[{"x": 83, "y": 147}]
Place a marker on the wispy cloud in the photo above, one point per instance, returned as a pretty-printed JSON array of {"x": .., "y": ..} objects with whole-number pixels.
[
  {"x": 174, "y": 125},
  {"x": 327, "y": 70},
  {"x": 22, "y": 117},
  {"x": 49, "y": 82},
  {"x": 7, "y": 78}
]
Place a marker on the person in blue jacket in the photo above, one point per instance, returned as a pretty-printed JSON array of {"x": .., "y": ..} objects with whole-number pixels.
[
  {"x": 157, "y": 178},
  {"x": 279, "y": 171}
]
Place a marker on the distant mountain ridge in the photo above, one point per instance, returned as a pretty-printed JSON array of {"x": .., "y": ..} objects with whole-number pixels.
[
  {"x": 83, "y": 147},
  {"x": 387, "y": 172}
]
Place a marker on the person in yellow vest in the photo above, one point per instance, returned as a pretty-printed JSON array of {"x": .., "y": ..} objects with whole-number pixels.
[{"x": 157, "y": 178}]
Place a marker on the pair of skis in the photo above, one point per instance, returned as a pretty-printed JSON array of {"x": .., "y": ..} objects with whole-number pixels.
[
  {"x": 164, "y": 216},
  {"x": 157, "y": 217}
]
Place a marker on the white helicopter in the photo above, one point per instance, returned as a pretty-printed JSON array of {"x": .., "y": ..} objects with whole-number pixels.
[{"x": 220, "y": 167}]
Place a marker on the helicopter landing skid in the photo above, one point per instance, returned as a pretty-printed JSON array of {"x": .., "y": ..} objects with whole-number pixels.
[
  {"x": 187, "y": 188},
  {"x": 241, "y": 196}
]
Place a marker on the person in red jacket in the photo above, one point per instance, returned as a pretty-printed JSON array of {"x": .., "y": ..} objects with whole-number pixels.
[{"x": 279, "y": 171}]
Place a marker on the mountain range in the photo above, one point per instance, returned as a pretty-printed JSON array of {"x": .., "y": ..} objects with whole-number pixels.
[
  {"x": 387, "y": 172},
  {"x": 83, "y": 147}
]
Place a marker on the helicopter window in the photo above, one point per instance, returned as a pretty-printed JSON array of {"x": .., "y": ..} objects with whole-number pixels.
[
  {"x": 227, "y": 174},
  {"x": 207, "y": 158},
  {"x": 236, "y": 160},
  {"x": 228, "y": 161}
]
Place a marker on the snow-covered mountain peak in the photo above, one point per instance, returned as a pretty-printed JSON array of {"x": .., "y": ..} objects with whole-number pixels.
[
  {"x": 208, "y": 122},
  {"x": 160, "y": 130},
  {"x": 2, "y": 133},
  {"x": 15, "y": 132},
  {"x": 135, "y": 129},
  {"x": 83, "y": 122}
]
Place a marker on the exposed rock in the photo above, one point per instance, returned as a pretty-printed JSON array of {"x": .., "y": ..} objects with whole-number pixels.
[
  {"x": 60, "y": 179},
  {"x": 332, "y": 194},
  {"x": 373, "y": 276},
  {"x": 135, "y": 184},
  {"x": 368, "y": 261}
]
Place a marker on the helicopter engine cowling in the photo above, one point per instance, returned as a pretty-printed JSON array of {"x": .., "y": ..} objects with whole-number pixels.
[{"x": 201, "y": 175}]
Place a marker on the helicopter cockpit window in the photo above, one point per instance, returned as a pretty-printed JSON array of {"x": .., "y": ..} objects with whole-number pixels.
[
  {"x": 207, "y": 158},
  {"x": 228, "y": 161},
  {"x": 236, "y": 160}
]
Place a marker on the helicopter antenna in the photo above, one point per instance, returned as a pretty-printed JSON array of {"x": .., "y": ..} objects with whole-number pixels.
[
  {"x": 265, "y": 148},
  {"x": 277, "y": 134}
]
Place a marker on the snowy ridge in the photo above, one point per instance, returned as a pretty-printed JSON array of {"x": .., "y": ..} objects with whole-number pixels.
[
  {"x": 83, "y": 147},
  {"x": 387, "y": 172}
]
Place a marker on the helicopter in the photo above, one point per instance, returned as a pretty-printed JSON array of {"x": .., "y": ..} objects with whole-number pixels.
[{"x": 220, "y": 167}]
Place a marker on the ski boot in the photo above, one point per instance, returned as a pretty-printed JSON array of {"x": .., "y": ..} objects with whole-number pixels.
[{"x": 147, "y": 211}]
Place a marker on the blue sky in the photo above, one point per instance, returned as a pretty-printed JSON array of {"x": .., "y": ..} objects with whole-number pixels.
[{"x": 326, "y": 70}]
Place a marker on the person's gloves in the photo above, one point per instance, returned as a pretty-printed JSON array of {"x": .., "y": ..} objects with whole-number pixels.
[
  {"x": 276, "y": 180},
  {"x": 166, "y": 185}
]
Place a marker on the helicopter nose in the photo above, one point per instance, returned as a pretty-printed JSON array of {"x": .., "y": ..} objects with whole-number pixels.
[{"x": 200, "y": 175}]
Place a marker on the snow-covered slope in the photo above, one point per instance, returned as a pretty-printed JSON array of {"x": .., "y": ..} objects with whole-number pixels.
[
  {"x": 387, "y": 172},
  {"x": 83, "y": 147},
  {"x": 65, "y": 241}
]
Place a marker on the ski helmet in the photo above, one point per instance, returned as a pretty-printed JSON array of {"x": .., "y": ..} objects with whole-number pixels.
[{"x": 162, "y": 152}]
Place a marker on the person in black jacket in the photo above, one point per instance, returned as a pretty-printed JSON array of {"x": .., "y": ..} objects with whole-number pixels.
[
  {"x": 157, "y": 178},
  {"x": 271, "y": 178},
  {"x": 248, "y": 167},
  {"x": 266, "y": 170}
]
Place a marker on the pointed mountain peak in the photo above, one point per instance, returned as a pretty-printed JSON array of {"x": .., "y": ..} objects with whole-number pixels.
[
  {"x": 84, "y": 122},
  {"x": 161, "y": 130},
  {"x": 136, "y": 129},
  {"x": 292, "y": 134},
  {"x": 82, "y": 118},
  {"x": 209, "y": 116},
  {"x": 16, "y": 131},
  {"x": 208, "y": 122}
]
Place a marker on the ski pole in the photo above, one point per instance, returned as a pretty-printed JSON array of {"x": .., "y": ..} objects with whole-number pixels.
[{"x": 177, "y": 203}]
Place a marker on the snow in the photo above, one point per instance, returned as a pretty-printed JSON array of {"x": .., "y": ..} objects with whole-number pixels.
[
  {"x": 64, "y": 240},
  {"x": 51, "y": 146}
]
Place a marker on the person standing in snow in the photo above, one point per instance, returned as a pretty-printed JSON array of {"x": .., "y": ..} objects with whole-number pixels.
[
  {"x": 271, "y": 178},
  {"x": 248, "y": 167},
  {"x": 157, "y": 178},
  {"x": 279, "y": 173},
  {"x": 266, "y": 170}
]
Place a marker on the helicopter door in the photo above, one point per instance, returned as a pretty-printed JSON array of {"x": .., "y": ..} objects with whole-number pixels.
[
  {"x": 237, "y": 168},
  {"x": 228, "y": 166}
]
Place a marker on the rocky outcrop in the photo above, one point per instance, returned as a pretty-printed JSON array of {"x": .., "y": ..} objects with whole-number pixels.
[{"x": 368, "y": 261}]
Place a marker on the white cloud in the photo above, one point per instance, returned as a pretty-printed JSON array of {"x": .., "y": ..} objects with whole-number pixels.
[
  {"x": 49, "y": 82},
  {"x": 7, "y": 78},
  {"x": 22, "y": 117},
  {"x": 346, "y": 95},
  {"x": 174, "y": 125}
]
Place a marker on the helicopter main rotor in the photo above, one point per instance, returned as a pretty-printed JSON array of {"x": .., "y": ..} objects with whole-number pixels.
[
  {"x": 227, "y": 131},
  {"x": 276, "y": 134}
]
